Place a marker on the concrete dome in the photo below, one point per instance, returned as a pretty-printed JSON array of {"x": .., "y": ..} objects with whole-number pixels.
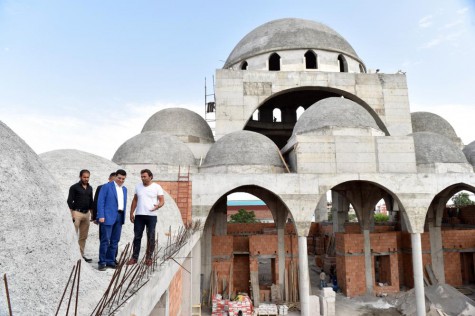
[
  {"x": 243, "y": 148},
  {"x": 434, "y": 148},
  {"x": 183, "y": 123},
  {"x": 334, "y": 112},
  {"x": 154, "y": 148},
  {"x": 287, "y": 34},
  {"x": 430, "y": 122},
  {"x": 38, "y": 242},
  {"x": 469, "y": 152}
]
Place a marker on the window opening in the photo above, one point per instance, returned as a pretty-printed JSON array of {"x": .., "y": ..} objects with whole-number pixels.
[
  {"x": 310, "y": 60},
  {"x": 244, "y": 66},
  {"x": 274, "y": 62},
  {"x": 277, "y": 114},
  {"x": 300, "y": 111},
  {"x": 342, "y": 63},
  {"x": 255, "y": 115},
  {"x": 362, "y": 69}
]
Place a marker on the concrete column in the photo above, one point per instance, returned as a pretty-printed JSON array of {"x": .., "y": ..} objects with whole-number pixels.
[
  {"x": 196, "y": 274},
  {"x": 436, "y": 252},
  {"x": 321, "y": 211},
  {"x": 304, "y": 279},
  {"x": 186, "y": 283},
  {"x": 340, "y": 208},
  {"x": 206, "y": 256},
  {"x": 220, "y": 218},
  {"x": 418, "y": 273},
  {"x": 368, "y": 260},
  {"x": 281, "y": 255}
]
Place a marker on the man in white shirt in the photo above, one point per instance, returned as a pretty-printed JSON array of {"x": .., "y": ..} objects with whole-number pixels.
[{"x": 147, "y": 200}]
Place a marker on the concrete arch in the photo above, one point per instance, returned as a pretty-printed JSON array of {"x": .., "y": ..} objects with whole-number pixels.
[{"x": 288, "y": 101}]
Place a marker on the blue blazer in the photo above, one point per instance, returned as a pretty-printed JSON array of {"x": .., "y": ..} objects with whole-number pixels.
[{"x": 107, "y": 204}]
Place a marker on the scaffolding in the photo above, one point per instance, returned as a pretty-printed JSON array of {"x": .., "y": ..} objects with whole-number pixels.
[{"x": 210, "y": 107}]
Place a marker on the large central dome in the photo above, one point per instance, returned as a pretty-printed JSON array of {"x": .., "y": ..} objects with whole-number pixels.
[{"x": 289, "y": 33}]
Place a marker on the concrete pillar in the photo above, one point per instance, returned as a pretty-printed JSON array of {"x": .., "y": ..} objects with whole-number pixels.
[
  {"x": 368, "y": 260},
  {"x": 436, "y": 252},
  {"x": 321, "y": 211},
  {"x": 206, "y": 256},
  {"x": 340, "y": 208},
  {"x": 196, "y": 274},
  {"x": 304, "y": 279},
  {"x": 281, "y": 255},
  {"x": 220, "y": 218},
  {"x": 418, "y": 273}
]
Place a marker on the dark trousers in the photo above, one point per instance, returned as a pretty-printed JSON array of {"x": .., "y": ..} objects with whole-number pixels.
[
  {"x": 117, "y": 252},
  {"x": 140, "y": 222},
  {"x": 110, "y": 236}
]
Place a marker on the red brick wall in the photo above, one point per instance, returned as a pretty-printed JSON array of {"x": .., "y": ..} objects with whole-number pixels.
[
  {"x": 222, "y": 245},
  {"x": 184, "y": 204},
  {"x": 175, "y": 294},
  {"x": 242, "y": 275}
]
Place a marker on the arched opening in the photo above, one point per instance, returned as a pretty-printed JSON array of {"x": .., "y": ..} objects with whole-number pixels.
[
  {"x": 277, "y": 115},
  {"x": 362, "y": 70},
  {"x": 299, "y": 111},
  {"x": 288, "y": 101},
  {"x": 342, "y": 63},
  {"x": 255, "y": 115},
  {"x": 310, "y": 60},
  {"x": 351, "y": 236},
  {"x": 274, "y": 62},
  {"x": 450, "y": 226},
  {"x": 244, "y": 65},
  {"x": 249, "y": 234}
]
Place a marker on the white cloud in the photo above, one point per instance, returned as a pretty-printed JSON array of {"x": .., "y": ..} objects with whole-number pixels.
[
  {"x": 426, "y": 21},
  {"x": 462, "y": 11}
]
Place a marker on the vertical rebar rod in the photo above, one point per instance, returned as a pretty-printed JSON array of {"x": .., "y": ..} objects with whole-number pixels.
[
  {"x": 65, "y": 289},
  {"x": 77, "y": 289},
  {"x": 72, "y": 290},
  {"x": 8, "y": 294}
]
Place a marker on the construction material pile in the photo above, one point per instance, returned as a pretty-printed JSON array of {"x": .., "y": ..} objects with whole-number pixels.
[{"x": 441, "y": 299}]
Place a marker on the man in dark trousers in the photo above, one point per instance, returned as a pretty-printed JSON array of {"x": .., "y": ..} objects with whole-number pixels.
[
  {"x": 96, "y": 197},
  {"x": 147, "y": 200},
  {"x": 80, "y": 204},
  {"x": 111, "y": 211}
]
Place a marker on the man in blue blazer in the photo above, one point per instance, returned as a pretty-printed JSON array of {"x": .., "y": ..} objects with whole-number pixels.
[{"x": 111, "y": 207}]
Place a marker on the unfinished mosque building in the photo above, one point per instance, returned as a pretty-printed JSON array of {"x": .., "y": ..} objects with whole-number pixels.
[{"x": 298, "y": 118}]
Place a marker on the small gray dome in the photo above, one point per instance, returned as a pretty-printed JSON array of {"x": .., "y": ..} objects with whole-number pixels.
[
  {"x": 155, "y": 148},
  {"x": 432, "y": 148},
  {"x": 243, "y": 148},
  {"x": 334, "y": 112},
  {"x": 286, "y": 34},
  {"x": 430, "y": 122},
  {"x": 187, "y": 125},
  {"x": 469, "y": 152}
]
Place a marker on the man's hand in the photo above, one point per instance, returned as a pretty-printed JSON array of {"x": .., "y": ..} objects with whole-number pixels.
[
  {"x": 102, "y": 220},
  {"x": 72, "y": 215},
  {"x": 132, "y": 217}
]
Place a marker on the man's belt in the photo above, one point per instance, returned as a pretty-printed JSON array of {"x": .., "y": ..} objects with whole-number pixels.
[
  {"x": 82, "y": 211},
  {"x": 120, "y": 211}
]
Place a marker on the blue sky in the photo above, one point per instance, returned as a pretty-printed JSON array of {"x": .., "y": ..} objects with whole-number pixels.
[{"x": 87, "y": 74}]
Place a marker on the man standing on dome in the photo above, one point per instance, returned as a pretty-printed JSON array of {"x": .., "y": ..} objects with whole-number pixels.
[
  {"x": 80, "y": 203},
  {"x": 111, "y": 216},
  {"x": 147, "y": 200}
]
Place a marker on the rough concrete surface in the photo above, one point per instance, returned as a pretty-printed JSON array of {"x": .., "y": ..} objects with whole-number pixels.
[{"x": 38, "y": 242}]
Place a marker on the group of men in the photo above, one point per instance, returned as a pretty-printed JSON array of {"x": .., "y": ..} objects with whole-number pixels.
[{"x": 108, "y": 210}]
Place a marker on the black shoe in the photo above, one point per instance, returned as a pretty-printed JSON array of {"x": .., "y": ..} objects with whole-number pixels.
[
  {"x": 111, "y": 266},
  {"x": 102, "y": 267},
  {"x": 87, "y": 259}
]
